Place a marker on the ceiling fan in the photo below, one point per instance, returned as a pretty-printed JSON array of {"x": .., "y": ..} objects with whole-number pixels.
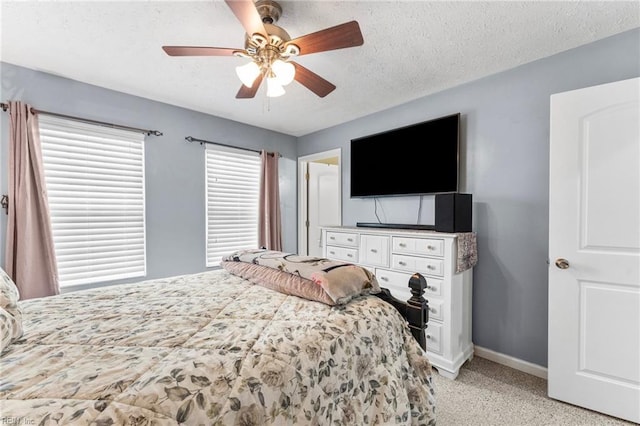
[{"x": 271, "y": 49}]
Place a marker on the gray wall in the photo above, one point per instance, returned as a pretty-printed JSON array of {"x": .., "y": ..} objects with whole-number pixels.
[
  {"x": 175, "y": 184},
  {"x": 505, "y": 156}
]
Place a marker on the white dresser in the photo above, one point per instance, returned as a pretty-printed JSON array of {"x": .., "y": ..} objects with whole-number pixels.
[{"x": 393, "y": 255}]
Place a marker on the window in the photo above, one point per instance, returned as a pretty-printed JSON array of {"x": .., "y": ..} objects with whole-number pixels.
[
  {"x": 95, "y": 185},
  {"x": 233, "y": 188}
]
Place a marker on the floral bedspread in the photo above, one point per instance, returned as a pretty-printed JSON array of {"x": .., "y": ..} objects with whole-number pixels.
[{"x": 212, "y": 349}]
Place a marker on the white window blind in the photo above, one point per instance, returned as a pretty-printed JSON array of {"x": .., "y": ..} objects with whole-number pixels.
[
  {"x": 95, "y": 185},
  {"x": 233, "y": 187}
]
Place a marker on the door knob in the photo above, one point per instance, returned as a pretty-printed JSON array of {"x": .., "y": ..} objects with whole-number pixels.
[{"x": 562, "y": 263}]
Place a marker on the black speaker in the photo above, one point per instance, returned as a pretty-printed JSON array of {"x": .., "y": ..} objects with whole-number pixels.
[{"x": 453, "y": 212}]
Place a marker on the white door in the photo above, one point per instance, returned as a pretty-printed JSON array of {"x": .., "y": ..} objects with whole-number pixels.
[
  {"x": 323, "y": 198},
  {"x": 594, "y": 249},
  {"x": 335, "y": 218}
]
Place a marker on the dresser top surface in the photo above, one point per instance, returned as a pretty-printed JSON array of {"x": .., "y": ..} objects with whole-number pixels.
[{"x": 389, "y": 231}]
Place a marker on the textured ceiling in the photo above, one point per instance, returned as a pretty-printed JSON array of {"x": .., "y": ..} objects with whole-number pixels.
[{"x": 411, "y": 49}]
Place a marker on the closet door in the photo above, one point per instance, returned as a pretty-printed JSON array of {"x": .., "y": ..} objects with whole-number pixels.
[{"x": 594, "y": 249}]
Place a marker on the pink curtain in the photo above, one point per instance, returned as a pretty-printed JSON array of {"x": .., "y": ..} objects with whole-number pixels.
[
  {"x": 269, "y": 227},
  {"x": 30, "y": 259}
]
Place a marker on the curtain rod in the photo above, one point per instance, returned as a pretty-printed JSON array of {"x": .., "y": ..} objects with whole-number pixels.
[
  {"x": 86, "y": 120},
  {"x": 202, "y": 141}
]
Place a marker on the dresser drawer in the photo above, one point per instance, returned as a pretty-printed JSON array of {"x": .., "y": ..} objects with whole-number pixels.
[
  {"x": 434, "y": 287},
  {"x": 422, "y": 246},
  {"x": 413, "y": 264},
  {"x": 435, "y": 309},
  {"x": 398, "y": 283},
  {"x": 342, "y": 239},
  {"x": 434, "y": 337},
  {"x": 342, "y": 253},
  {"x": 374, "y": 250}
]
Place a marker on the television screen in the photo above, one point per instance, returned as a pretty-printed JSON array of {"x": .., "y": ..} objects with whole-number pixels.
[{"x": 414, "y": 160}]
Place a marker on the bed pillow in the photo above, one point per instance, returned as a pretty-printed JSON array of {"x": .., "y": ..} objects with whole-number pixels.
[
  {"x": 10, "y": 313},
  {"x": 314, "y": 278}
]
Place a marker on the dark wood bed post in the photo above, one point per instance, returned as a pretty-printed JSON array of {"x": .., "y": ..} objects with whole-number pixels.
[
  {"x": 415, "y": 310},
  {"x": 418, "y": 309}
]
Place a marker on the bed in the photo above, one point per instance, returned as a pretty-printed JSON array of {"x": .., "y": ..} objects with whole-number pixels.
[{"x": 213, "y": 348}]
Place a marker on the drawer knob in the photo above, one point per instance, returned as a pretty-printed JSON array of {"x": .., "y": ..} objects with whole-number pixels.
[
  {"x": 431, "y": 267},
  {"x": 349, "y": 255},
  {"x": 431, "y": 247},
  {"x": 432, "y": 310},
  {"x": 350, "y": 240},
  {"x": 332, "y": 252},
  {"x": 384, "y": 278},
  {"x": 402, "y": 263},
  {"x": 332, "y": 238},
  {"x": 402, "y": 245},
  {"x": 428, "y": 287},
  {"x": 429, "y": 336},
  {"x": 374, "y": 251}
]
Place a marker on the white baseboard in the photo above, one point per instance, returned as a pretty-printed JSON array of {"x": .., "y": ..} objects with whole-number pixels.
[{"x": 509, "y": 361}]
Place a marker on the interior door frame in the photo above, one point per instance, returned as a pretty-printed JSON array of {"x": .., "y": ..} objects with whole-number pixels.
[{"x": 302, "y": 190}]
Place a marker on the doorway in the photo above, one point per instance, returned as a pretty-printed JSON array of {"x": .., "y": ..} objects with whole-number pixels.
[{"x": 319, "y": 198}]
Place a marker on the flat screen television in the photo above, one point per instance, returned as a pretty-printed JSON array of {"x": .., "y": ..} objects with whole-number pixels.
[{"x": 418, "y": 159}]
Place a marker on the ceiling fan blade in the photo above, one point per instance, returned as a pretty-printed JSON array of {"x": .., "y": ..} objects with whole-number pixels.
[
  {"x": 199, "y": 51},
  {"x": 249, "y": 92},
  {"x": 312, "y": 81},
  {"x": 247, "y": 14},
  {"x": 338, "y": 37}
]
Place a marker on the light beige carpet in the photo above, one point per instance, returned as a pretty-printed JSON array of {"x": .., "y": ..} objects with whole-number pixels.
[{"x": 486, "y": 393}]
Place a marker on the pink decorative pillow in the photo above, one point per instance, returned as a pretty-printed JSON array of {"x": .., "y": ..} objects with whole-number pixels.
[{"x": 323, "y": 280}]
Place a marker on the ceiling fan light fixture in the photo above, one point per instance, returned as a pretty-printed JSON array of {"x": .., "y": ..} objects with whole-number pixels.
[
  {"x": 248, "y": 73},
  {"x": 274, "y": 88},
  {"x": 271, "y": 50},
  {"x": 284, "y": 71}
]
